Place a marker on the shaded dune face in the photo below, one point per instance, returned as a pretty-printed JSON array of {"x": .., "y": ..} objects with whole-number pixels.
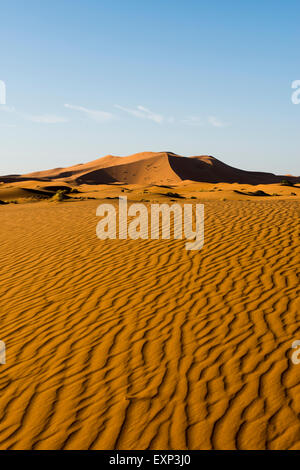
[
  {"x": 96, "y": 177},
  {"x": 15, "y": 193},
  {"x": 152, "y": 168},
  {"x": 211, "y": 170}
]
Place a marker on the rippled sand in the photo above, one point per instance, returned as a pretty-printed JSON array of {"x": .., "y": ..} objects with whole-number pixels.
[{"x": 142, "y": 344}]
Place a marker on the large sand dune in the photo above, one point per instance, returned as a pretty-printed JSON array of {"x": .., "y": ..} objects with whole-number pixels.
[
  {"x": 152, "y": 168},
  {"x": 141, "y": 344}
]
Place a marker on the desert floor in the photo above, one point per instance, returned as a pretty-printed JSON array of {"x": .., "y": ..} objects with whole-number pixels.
[{"x": 135, "y": 344}]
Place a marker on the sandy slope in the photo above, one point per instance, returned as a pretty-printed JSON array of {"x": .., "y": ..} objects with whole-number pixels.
[{"x": 141, "y": 344}]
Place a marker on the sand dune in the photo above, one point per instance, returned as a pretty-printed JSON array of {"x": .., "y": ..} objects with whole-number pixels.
[
  {"x": 17, "y": 193},
  {"x": 140, "y": 344},
  {"x": 152, "y": 168}
]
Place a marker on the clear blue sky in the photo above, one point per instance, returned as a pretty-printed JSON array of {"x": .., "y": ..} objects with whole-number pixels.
[{"x": 86, "y": 78}]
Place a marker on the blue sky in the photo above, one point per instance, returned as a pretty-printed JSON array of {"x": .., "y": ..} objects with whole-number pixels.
[{"x": 86, "y": 78}]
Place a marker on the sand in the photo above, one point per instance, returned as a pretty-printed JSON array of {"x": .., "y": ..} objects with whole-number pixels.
[
  {"x": 152, "y": 168},
  {"x": 131, "y": 344}
]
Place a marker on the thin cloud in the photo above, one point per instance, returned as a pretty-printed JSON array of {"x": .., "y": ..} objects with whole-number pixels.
[
  {"x": 193, "y": 121},
  {"x": 99, "y": 116},
  {"x": 196, "y": 121},
  {"x": 142, "y": 113},
  {"x": 217, "y": 122}
]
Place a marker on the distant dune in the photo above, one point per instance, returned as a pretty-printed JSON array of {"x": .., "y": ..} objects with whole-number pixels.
[{"x": 151, "y": 168}]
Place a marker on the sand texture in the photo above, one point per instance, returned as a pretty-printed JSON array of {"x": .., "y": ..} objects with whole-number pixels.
[{"x": 124, "y": 344}]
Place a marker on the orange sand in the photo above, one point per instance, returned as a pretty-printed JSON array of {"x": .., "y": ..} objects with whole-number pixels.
[{"x": 141, "y": 344}]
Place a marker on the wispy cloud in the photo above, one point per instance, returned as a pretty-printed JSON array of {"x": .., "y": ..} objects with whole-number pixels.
[
  {"x": 192, "y": 121},
  {"x": 197, "y": 121},
  {"x": 99, "y": 116},
  {"x": 142, "y": 113},
  {"x": 217, "y": 122},
  {"x": 38, "y": 118}
]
